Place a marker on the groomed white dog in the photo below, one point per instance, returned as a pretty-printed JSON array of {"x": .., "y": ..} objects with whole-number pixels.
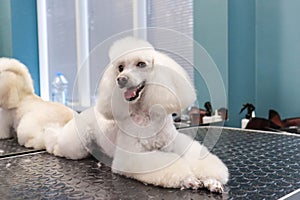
[
  {"x": 132, "y": 123},
  {"x": 21, "y": 111}
]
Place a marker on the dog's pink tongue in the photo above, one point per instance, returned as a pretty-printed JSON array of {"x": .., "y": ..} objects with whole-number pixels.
[{"x": 130, "y": 93}]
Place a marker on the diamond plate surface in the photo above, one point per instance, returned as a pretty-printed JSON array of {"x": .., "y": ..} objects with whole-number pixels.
[
  {"x": 262, "y": 166},
  {"x": 10, "y": 147},
  {"x": 43, "y": 176}
]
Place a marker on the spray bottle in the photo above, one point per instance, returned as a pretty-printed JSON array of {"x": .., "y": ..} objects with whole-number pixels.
[
  {"x": 211, "y": 117},
  {"x": 250, "y": 114}
]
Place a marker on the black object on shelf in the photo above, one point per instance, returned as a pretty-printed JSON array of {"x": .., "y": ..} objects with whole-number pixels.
[
  {"x": 250, "y": 108},
  {"x": 208, "y": 107}
]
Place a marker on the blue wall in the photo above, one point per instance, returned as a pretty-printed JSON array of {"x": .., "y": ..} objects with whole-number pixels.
[
  {"x": 241, "y": 84},
  {"x": 5, "y": 29},
  {"x": 210, "y": 31},
  {"x": 19, "y": 34},
  {"x": 263, "y": 46},
  {"x": 264, "y": 61},
  {"x": 277, "y": 57}
]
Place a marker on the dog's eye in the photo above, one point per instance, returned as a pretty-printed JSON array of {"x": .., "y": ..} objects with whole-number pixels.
[
  {"x": 141, "y": 64},
  {"x": 121, "y": 68}
]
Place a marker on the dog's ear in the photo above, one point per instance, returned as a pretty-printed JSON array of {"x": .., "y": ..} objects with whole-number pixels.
[
  {"x": 169, "y": 86},
  {"x": 9, "y": 95},
  {"x": 14, "y": 86},
  {"x": 12, "y": 99},
  {"x": 15, "y": 82},
  {"x": 105, "y": 91}
]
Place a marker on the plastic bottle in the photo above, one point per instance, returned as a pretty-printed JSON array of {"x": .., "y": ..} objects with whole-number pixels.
[{"x": 59, "y": 91}]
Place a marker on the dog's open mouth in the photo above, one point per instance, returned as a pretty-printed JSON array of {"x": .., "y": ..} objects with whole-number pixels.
[{"x": 133, "y": 93}]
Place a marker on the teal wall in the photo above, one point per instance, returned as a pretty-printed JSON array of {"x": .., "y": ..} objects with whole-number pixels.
[
  {"x": 242, "y": 79},
  {"x": 19, "y": 38},
  {"x": 277, "y": 57},
  {"x": 5, "y": 29},
  {"x": 264, "y": 61},
  {"x": 210, "y": 32},
  {"x": 263, "y": 65},
  {"x": 255, "y": 45}
]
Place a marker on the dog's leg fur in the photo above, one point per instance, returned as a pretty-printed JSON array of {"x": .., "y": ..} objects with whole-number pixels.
[
  {"x": 29, "y": 134},
  {"x": 157, "y": 168},
  {"x": 66, "y": 141},
  {"x": 182, "y": 163},
  {"x": 208, "y": 168},
  {"x": 73, "y": 140}
]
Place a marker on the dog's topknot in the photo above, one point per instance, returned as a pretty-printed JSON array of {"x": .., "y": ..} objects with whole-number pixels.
[{"x": 127, "y": 45}]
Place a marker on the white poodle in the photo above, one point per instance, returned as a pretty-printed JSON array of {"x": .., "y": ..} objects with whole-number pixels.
[
  {"x": 132, "y": 123},
  {"x": 21, "y": 111}
]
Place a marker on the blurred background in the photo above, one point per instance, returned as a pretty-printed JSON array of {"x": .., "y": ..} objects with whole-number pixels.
[{"x": 253, "y": 44}]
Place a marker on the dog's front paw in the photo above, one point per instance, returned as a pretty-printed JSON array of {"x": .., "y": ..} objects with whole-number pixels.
[
  {"x": 57, "y": 151},
  {"x": 191, "y": 182},
  {"x": 35, "y": 143},
  {"x": 212, "y": 185}
]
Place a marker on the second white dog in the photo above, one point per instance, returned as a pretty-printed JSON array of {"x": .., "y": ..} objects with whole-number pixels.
[
  {"x": 132, "y": 123},
  {"x": 21, "y": 111}
]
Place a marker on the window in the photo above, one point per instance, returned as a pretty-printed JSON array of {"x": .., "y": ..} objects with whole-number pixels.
[
  {"x": 174, "y": 36},
  {"x": 74, "y": 36}
]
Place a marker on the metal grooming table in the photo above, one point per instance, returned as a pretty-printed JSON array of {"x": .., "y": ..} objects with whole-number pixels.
[{"x": 262, "y": 166}]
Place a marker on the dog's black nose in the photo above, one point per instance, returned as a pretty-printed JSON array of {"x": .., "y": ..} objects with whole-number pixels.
[{"x": 122, "y": 81}]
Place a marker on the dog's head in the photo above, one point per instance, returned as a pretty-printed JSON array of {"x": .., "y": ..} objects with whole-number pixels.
[
  {"x": 133, "y": 72},
  {"x": 15, "y": 82},
  {"x": 143, "y": 76}
]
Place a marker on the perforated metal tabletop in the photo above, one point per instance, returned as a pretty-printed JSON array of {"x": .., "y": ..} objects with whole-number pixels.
[
  {"x": 262, "y": 166},
  {"x": 10, "y": 147}
]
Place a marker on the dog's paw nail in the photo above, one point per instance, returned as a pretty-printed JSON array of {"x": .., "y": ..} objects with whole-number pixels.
[
  {"x": 190, "y": 182},
  {"x": 213, "y": 185}
]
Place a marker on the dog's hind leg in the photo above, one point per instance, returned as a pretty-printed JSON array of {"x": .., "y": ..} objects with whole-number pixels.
[
  {"x": 29, "y": 133},
  {"x": 66, "y": 141}
]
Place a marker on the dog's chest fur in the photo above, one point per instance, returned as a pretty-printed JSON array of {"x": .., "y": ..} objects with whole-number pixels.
[{"x": 153, "y": 137}]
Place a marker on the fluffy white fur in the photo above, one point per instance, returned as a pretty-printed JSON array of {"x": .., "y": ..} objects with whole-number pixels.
[
  {"x": 21, "y": 111},
  {"x": 132, "y": 123}
]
